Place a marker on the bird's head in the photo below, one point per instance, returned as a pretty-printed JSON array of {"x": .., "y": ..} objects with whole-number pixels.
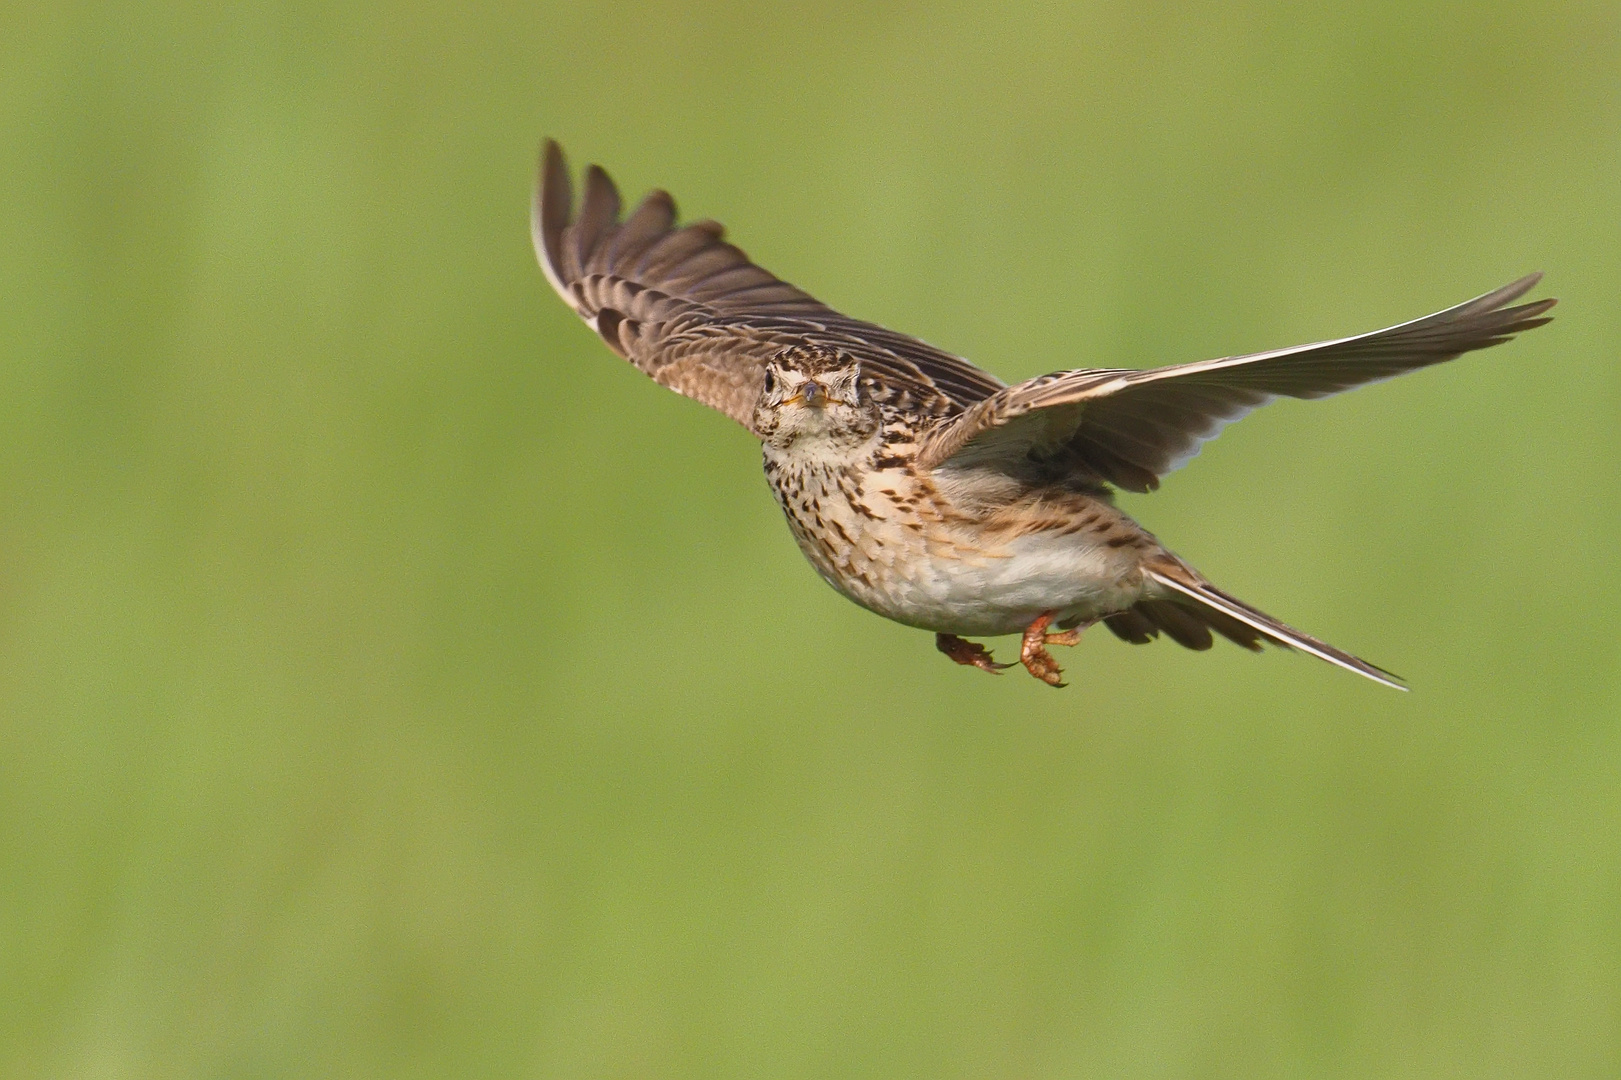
[{"x": 812, "y": 396}]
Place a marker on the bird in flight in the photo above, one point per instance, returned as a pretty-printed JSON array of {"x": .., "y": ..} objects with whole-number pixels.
[{"x": 929, "y": 491}]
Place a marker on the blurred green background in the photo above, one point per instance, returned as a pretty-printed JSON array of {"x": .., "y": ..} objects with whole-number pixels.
[{"x": 393, "y": 683}]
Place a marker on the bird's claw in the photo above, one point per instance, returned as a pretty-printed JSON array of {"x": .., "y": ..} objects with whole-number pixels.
[
  {"x": 968, "y": 653},
  {"x": 1040, "y": 663},
  {"x": 1032, "y": 651},
  {"x": 1034, "y": 655}
]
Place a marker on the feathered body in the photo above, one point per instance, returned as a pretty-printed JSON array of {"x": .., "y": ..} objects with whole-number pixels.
[
  {"x": 953, "y": 551},
  {"x": 920, "y": 486}
]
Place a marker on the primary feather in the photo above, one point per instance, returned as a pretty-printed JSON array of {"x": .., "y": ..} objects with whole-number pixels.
[
  {"x": 1132, "y": 427},
  {"x": 693, "y": 312}
]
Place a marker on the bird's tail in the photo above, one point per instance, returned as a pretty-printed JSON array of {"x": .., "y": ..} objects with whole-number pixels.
[{"x": 1189, "y": 605}]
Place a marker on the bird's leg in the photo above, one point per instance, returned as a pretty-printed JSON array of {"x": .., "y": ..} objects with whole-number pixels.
[
  {"x": 970, "y": 653},
  {"x": 1034, "y": 655}
]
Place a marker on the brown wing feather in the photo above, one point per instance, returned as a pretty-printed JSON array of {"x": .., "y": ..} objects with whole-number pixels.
[
  {"x": 694, "y": 313},
  {"x": 1132, "y": 427}
]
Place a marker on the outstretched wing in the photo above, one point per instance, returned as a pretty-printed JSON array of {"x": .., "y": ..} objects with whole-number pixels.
[
  {"x": 1129, "y": 428},
  {"x": 694, "y": 313}
]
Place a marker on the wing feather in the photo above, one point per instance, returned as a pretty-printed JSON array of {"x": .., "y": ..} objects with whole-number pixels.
[
  {"x": 1129, "y": 428},
  {"x": 691, "y": 311}
]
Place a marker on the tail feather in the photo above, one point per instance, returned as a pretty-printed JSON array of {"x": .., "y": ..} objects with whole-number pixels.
[
  {"x": 1132, "y": 626},
  {"x": 1237, "y": 621},
  {"x": 1183, "y": 626}
]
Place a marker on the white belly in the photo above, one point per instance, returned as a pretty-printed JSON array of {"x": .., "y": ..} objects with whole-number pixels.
[
  {"x": 1001, "y": 593},
  {"x": 955, "y": 589},
  {"x": 951, "y": 577}
]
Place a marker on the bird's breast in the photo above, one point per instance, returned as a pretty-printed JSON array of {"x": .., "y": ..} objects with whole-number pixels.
[{"x": 893, "y": 543}]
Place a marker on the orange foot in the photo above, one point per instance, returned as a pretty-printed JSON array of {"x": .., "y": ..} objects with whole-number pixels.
[
  {"x": 1033, "y": 654},
  {"x": 967, "y": 652}
]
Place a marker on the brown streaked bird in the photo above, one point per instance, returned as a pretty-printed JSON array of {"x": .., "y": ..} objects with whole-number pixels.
[{"x": 925, "y": 489}]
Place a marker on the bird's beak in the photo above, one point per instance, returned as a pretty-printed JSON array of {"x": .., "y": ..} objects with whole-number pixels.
[{"x": 814, "y": 395}]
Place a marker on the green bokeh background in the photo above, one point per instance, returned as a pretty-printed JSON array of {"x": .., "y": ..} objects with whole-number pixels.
[{"x": 393, "y": 683}]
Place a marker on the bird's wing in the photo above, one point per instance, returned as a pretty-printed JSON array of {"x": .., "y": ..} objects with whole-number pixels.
[
  {"x": 694, "y": 313},
  {"x": 1129, "y": 428}
]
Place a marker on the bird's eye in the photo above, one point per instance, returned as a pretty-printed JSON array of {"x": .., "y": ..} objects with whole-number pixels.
[{"x": 770, "y": 380}]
